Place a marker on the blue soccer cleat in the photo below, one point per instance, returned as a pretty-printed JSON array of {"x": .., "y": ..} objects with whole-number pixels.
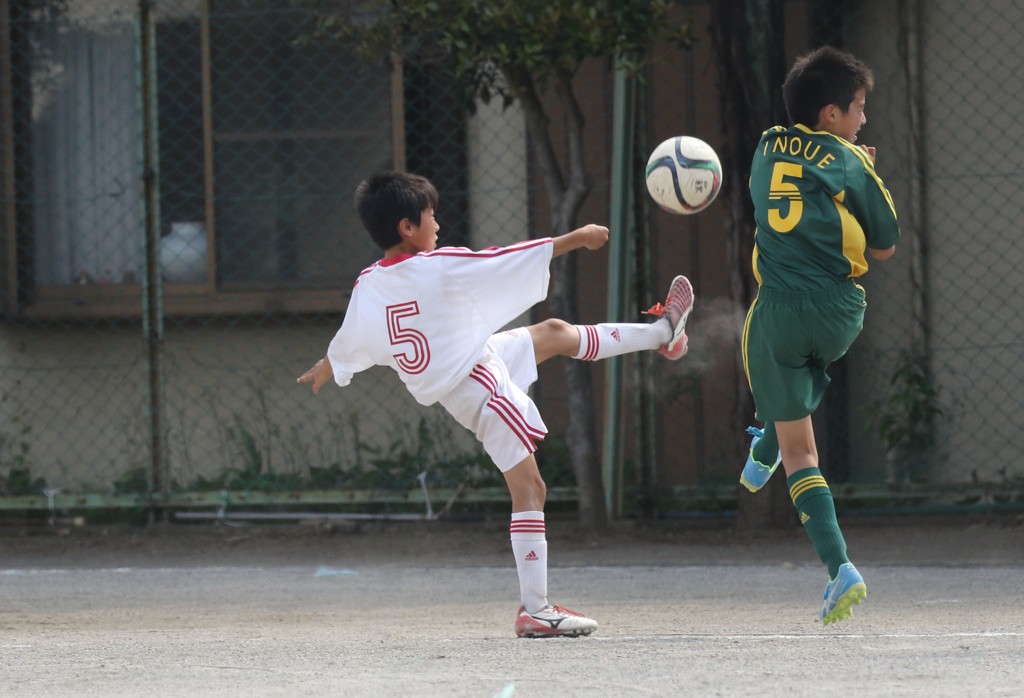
[
  {"x": 842, "y": 594},
  {"x": 755, "y": 473}
]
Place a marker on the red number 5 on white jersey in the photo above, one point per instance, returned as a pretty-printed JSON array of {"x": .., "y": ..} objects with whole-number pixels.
[{"x": 417, "y": 355}]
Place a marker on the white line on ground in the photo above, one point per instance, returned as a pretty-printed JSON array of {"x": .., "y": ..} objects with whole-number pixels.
[{"x": 818, "y": 636}]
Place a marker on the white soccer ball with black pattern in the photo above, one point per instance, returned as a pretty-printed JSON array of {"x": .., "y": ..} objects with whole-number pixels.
[{"x": 684, "y": 175}]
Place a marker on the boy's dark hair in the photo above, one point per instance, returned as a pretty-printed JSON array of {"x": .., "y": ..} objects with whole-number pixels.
[
  {"x": 385, "y": 198},
  {"x": 822, "y": 77}
]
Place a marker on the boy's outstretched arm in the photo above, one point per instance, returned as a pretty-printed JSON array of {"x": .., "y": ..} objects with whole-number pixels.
[
  {"x": 320, "y": 373},
  {"x": 591, "y": 236}
]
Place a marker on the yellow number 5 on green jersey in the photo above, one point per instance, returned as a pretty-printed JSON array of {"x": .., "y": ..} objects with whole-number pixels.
[{"x": 781, "y": 190}]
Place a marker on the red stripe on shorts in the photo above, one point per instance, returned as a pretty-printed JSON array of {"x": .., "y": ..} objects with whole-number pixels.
[{"x": 504, "y": 408}]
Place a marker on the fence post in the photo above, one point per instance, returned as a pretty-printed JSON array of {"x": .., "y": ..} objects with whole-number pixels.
[{"x": 621, "y": 219}]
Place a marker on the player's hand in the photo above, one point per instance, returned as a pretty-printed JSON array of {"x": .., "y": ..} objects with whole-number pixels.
[
  {"x": 595, "y": 236},
  {"x": 591, "y": 236},
  {"x": 320, "y": 373},
  {"x": 870, "y": 150}
]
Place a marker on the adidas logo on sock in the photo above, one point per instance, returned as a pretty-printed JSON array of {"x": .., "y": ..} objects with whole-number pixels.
[
  {"x": 615, "y": 336},
  {"x": 532, "y": 557}
]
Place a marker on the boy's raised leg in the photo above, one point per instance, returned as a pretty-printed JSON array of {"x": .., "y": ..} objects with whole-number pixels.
[{"x": 667, "y": 335}]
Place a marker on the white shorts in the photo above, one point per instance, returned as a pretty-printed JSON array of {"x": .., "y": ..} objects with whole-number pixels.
[{"x": 492, "y": 401}]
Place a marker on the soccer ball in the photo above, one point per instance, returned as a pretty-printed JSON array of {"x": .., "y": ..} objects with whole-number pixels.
[{"x": 684, "y": 175}]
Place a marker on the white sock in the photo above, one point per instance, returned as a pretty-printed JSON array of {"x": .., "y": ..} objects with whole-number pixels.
[
  {"x": 613, "y": 339},
  {"x": 530, "y": 547}
]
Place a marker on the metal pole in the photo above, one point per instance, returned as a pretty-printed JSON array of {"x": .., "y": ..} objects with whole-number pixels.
[
  {"x": 620, "y": 219},
  {"x": 911, "y": 18},
  {"x": 152, "y": 316},
  {"x": 9, "y": 301}
]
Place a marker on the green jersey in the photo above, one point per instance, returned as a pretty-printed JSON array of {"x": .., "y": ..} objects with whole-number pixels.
[{"x": 818, "y": 205}]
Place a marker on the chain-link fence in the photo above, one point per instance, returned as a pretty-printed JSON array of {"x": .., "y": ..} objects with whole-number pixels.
[
  {"x": 931, "y": 385},
  {"x": 178, "y": 244}
]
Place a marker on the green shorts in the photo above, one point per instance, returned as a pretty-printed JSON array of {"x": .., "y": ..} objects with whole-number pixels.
[{"x": 790, "y": 338}]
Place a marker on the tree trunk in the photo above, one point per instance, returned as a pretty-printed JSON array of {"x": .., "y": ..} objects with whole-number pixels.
[
  {"x": 567, "y": 187},
  {"x": 581, "y": 432},
  {"x": 747, "y": 39}
]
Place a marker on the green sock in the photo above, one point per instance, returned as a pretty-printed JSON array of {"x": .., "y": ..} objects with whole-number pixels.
[
  {"x": 766, "y": 451},
  {"x": 813, "y": 499}
]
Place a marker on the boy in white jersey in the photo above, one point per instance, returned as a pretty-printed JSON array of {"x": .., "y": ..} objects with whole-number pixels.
[{"x": 432, "y": 314}]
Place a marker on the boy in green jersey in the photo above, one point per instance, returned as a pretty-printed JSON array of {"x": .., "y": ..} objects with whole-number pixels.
[{"x": 819, "y": 207}]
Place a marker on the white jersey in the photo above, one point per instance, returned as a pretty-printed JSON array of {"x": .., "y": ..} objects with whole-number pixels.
[{"x": 429, "y": 316}]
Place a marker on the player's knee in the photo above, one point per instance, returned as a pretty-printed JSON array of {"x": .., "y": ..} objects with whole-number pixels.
[
  {"x": 533, "y": 486},
  {"x": 557, "y": 327},
  {"x": 562, "y": 337},
  {"x": 554, "y": 337},
  {"x": 527, "y": 487},
  {"x": 540, "y": 488},
  {"x": 539, "y": 494}
]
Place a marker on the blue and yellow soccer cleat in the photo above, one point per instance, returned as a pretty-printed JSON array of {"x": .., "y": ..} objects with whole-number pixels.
[
  {"x": 842, "y": 594},
  {"x": 755, "y": 473}
]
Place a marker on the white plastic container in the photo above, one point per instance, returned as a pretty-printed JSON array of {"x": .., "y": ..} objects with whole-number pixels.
[{"x": 183, "y": 254}]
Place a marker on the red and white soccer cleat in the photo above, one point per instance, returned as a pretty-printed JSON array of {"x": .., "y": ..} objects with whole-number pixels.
[
  {"x": 677, "y": 308},
  {"x": 553, "y": 621}
]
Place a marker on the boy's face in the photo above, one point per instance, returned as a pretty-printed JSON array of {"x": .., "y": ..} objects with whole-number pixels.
[
  {"x": 844, "y": 124},
  {"x": 424, "y": 236}
]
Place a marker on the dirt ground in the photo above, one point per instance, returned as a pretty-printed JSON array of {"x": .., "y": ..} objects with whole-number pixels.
[{"x": 425, "y": 609}]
